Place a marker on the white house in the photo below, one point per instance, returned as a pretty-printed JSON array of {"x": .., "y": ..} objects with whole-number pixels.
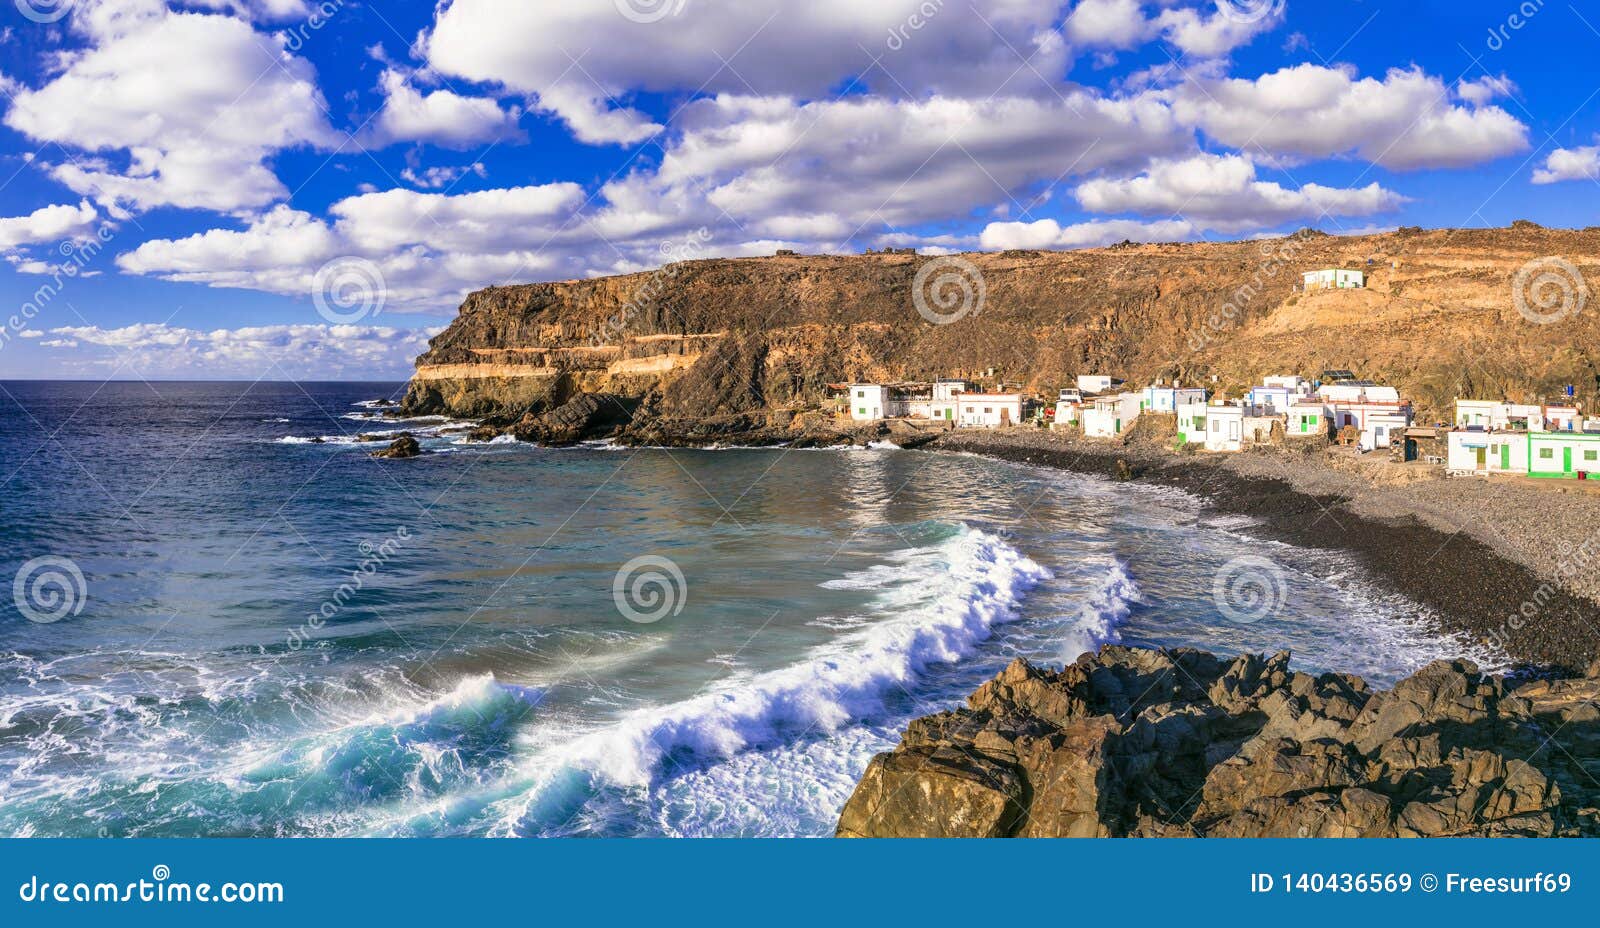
[
  {"x": 943, "y": 406},
  {"x": 1531, "y": 417},
  {"x": 1275, "y": 399},
  {"x": 869, "y": 401},
  {"x": 1358, "y": 391},
  {"x": 1563, "y": 454},
  {"x": 1333, "y": 279},
  {"x": 1192, "y": 423},
  {"x": 1296, "y": 384},
  {"x": 1374, "y": 420},
  {"x": 1562, "y": 418},
  {"x": 1068, "y": 412},
  {"x": 1224, "y": 428},
  {"x": 1487, "y": 452},
  {"x": 988, "y": 410},
  {"x": 1380, "y": 425},
  {"x": 1168, "y": 399},
  {"x": 1483, "y": 414},
  {"x": 1308, "y": 417},
  {"x": 1096, "y": 383},
  {"x": 1110, "y": 415}
]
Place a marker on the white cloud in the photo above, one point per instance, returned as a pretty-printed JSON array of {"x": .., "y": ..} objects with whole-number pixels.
[
  {"x": 757, "y": 173},
  {"x": 440, "y": 117},
  {"x": 153, "y": 349},
  {"x": 1222, "y": 192},
  {"x": 1485, "y": 89},
  {"x": 47, "y": 224},
  {"x": 597, "y": 58},
  {"x": 439, "y": 175},
  {"x": 1123, "y": 24},
  {"x": 1405, "y": 121},
  {"x": 1582, "y": 163},
  {"x": 182, "y": 109},
  {"x": 1047, "y": 233},
  {"x": 32, "y": 333}
]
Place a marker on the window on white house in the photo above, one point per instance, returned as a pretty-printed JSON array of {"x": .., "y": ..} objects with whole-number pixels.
[
  {"x": 1546, "y": 454},
  {"x": 1590, "y": 455}
]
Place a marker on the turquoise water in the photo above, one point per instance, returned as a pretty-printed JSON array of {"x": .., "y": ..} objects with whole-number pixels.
[{"x": 220, "y": 670}]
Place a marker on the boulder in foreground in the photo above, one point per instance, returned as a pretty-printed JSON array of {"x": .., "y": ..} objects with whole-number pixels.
[{"x": 1132, "y": 742}]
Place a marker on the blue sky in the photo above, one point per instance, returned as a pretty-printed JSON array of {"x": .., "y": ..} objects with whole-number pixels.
[{"x": 266, "y": 188}]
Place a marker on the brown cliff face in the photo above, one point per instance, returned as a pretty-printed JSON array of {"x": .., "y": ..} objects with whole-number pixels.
[{"x": 737, "y": 337}]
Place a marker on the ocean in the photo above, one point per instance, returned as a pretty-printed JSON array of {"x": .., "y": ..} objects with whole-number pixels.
[{"x": 220, "y": 626}]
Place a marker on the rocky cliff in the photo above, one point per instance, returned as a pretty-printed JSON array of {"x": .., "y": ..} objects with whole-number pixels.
[
  {"x": 1133, "y": 742},
  {"x": 751, "y": 344}
]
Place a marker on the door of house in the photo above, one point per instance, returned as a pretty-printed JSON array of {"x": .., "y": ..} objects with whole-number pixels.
[
  {"x": 1482, "y": 457},
  {"x": 1005, "y": 416},
  {"x": 1505, "y": 456},
  {"x": 1566, "y": 460}
]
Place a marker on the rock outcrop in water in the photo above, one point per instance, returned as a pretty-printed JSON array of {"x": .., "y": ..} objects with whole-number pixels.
[
  {"x": 1136, "y": 742},
  {"x": 741, "y": 350},
  {"x": 405, "y": 446}
]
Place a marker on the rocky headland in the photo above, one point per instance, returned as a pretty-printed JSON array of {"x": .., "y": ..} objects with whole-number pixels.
[
  {"x": 1132, "y": 742},
  {"x": 745, "y": 350}
]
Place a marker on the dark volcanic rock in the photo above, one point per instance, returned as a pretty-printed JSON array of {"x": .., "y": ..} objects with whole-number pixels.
[
  {"x": 1133, "y": 742},
  {"x": 404, "y": 446},
  {"x": 585, "y": 416}
]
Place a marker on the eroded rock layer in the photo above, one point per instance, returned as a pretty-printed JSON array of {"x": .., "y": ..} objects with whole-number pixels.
[{"x": 1133, "y": 742}]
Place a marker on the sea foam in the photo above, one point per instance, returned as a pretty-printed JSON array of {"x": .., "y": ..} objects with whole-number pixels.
[{"x": 980, "y": 580}]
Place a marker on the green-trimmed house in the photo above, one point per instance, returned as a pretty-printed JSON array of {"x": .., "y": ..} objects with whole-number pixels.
[{"x": 1563, "y": 454}]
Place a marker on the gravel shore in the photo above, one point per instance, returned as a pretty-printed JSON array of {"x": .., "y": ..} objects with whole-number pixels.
[{"x": 1513, "y": 563}]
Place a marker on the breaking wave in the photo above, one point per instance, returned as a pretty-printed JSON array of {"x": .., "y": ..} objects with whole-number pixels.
[{"x": 981, "y": 581}]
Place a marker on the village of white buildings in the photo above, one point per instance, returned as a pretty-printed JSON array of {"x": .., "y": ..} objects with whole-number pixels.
[{"x": 1487, "y": 437}]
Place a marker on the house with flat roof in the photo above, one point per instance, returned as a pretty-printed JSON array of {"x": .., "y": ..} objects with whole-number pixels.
[
  {"x": 1563, "y": 454},
  {"x": 1333, "y": 279},
  {"x": 989, "y": 410}
]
